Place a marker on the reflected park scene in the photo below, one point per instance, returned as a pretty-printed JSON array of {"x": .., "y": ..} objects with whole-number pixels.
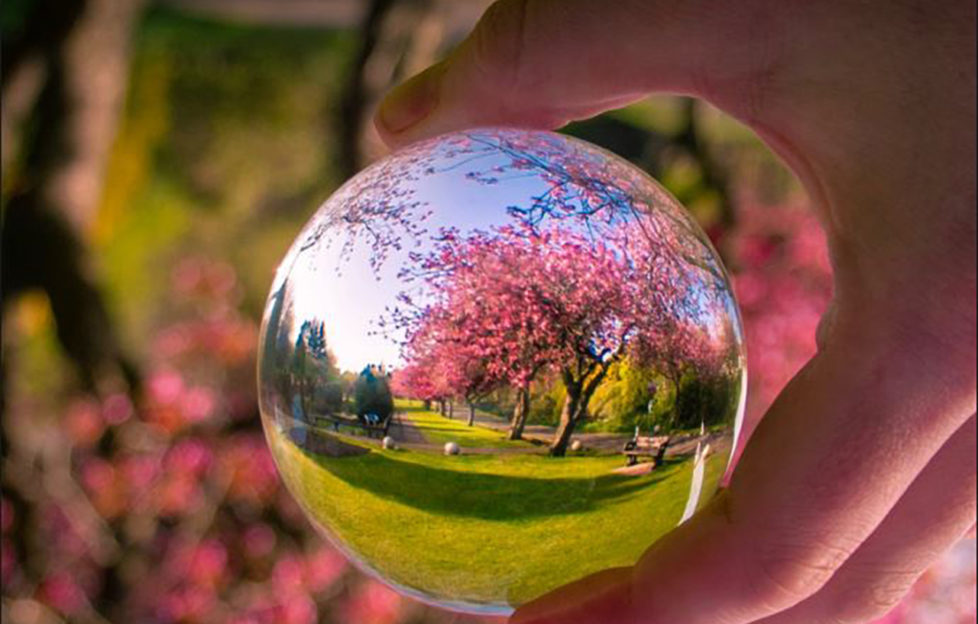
[{"x": 498, "y": 361}]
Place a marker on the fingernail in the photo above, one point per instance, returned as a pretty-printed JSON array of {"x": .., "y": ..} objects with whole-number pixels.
[{"x": 411, "y": 102}]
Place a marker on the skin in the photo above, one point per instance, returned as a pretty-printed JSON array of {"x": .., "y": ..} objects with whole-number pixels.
[{"x": 863, "y": 471}]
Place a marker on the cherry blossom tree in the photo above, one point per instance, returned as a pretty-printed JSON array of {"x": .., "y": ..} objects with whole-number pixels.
[{"x": 518, "y": 300}]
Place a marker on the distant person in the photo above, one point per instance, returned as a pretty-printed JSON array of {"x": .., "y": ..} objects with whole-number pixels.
[{"x": 863, "y": 471}]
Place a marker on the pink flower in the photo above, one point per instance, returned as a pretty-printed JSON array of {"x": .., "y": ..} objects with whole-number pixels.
[
  {"x": 297, "y": 609},
  {"x": 117, "y": 408},
  {"x": 198, "y": 403},
  {"x": 208, "y": 563},
  {"x": 8, "y": 563},
  {"x": 62, "y": 592},
  {"x": 258, "y": 541},
  {"x": 287, "y": 575},
  {"x": 324, "y": 568},
  {"x": 190, "y": 456},
  {"x": 372, "y": 603},
  {"x": 84, "y": 422},
  {"x": 165, "y": 386}
]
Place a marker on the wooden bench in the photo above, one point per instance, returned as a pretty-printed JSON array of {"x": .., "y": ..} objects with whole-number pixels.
[
  {"x": 378, "y": 430},
  {"x": 653, "y": 447}
]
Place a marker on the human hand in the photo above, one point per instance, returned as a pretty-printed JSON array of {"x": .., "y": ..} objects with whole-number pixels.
[{"x": 863, "y": 472}]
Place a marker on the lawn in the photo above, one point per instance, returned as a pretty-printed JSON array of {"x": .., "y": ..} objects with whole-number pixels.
[
  {"x": 438, "y": 429},
  {"x": 490, "y": 530}
]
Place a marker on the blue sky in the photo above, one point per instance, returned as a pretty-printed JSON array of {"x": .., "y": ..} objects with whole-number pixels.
[{"x": 351, "y": 303}]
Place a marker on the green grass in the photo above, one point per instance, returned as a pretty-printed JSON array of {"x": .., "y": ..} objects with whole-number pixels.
[
  {"x": 437, "y": 429},
  {"x": 495, "y": 530}
]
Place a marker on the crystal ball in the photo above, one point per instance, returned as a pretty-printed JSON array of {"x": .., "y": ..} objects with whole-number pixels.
[{"x": 452, "y": 319}]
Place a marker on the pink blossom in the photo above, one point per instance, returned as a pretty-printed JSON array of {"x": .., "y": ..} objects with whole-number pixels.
[
  {"x": 191, "y": 456},
  {"x": 297, "y": 609},
  {"x": 117, "y": 408},
  {"x": 198, "y": 403},
  {"x": 8, "y": 562},
  {"x": 372, "y": 604},
  {"x": 83, "y": 422},
  {"x": 288, "y": 575},
  {"x": 165, "y": 386},
  {"x": 208, "y": 563},
  {"x": 323, "y": 568},
  {"x": 258, "y": 540},
  {"x": 62, "y": 592}
]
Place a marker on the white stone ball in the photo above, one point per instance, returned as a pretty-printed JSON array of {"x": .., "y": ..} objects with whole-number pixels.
[
  {"x": 576, "y": 446},
  {"x": 451, "y": 448},
  {"x": 388, "y": 443}
]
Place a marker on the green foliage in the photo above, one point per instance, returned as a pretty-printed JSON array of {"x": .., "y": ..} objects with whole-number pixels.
[
  {"x": 224, "y": 145},
  {"x": 546, "y": 401},
  {"x": 706, "y": 399},
  {"x": 13, "y": 16},
  {"x": 624, "y": 399},
  {"x": 372, "y": 394}
]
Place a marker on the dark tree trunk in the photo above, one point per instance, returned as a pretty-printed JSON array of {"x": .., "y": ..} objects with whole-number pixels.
[
  {"x": 356, "y": 95},
  {"x": 471, "y": 414},
  {"x": 427, "y": 405},
  {"x": 520, "y": 411},
  {"x": 568, "y": 418},
  {"x": 579, "y": 394}
]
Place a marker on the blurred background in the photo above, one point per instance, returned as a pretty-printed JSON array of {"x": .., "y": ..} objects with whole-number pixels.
[{"x": 158, "y": 159}]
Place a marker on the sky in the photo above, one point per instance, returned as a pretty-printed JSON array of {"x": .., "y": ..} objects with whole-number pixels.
[{"x": 351, "y": 303}]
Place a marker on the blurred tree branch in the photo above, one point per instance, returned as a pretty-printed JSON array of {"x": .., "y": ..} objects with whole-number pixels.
[
  {"x": 78, "y": 50},
  {"x": 397, "y": 39}
]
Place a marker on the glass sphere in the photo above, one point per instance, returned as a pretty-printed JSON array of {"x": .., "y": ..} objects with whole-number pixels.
[{"x": 498, "y": 361}]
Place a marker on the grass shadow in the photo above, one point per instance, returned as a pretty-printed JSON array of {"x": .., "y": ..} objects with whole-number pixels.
[{"x": 481, "y": 495}]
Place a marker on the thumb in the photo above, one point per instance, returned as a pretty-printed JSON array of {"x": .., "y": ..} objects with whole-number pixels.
[{"x": 542, "y": 63}]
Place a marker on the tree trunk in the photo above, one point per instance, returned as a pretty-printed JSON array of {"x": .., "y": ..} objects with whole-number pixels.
[
  {"x": 568, "y": 418},
  {"x": 471, "y": 414},
  {"x": 579, "y": 394},
  {"x": 520, "y": 412},
  {"x": 427, "y": 405}
]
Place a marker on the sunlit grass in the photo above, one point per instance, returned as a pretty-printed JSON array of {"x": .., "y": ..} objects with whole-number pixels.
[
  {"x": 490, "y": 529},
  {"x": 438, "y": 429}
]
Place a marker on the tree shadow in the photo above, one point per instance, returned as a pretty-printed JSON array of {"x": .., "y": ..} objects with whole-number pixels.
[{"x": 484, "y": 496}]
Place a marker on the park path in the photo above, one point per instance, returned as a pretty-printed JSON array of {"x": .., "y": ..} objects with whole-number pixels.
[
  {"x": 409, "y": 435},
  {"x": 601, "y": 442},
  {"x": 543, "y": 434}
]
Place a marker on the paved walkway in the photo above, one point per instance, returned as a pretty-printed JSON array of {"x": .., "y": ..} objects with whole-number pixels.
[{"x": 409, "y": 435}]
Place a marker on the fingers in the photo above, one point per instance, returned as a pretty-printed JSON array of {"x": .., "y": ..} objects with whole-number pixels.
[
  {"x": 542, "y": 63},
  {"x": 836, "y": 452},
  {"x": 934, "y": 513},
  {"x": 597, "y": 599}
]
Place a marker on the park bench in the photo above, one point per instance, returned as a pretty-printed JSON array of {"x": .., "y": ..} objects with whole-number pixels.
[
  {"x": 372, "y": 430},
  {"x": 653, "y": 447}
]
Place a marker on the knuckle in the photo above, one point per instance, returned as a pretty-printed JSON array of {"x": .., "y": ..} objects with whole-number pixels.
[
  {"x": 498, "y": 41},
  {"x": 785, "y": 574},
  {"x": 857, "y": 603}
]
